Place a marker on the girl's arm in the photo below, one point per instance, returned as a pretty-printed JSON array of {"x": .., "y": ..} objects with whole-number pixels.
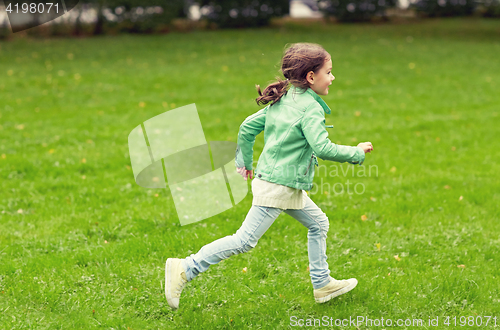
[
  {"x": 249, "y": 129},
  {"x": 313, "y": 127}
]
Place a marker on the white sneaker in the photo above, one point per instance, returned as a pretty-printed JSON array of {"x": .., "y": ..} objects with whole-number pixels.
[
  {"x": 333, "y": 289},
  {"x": 175, "y": 280}
]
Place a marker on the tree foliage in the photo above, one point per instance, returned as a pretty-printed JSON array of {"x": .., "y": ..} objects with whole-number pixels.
[
  {"x": 134, "y": 15},
  {"x": 355, "y": 10},
  {"x": 243, "y": 13},
  {"x": 438, "y": 8}
]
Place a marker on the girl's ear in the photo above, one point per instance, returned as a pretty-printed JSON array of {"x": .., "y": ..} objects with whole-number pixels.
[{"x": 310, "y": 77}]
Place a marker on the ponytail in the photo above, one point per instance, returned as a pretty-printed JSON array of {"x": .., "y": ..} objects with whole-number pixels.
[{"x": 273, "y": 92}]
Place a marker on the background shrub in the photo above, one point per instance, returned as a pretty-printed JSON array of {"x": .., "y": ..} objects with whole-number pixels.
[
  {"x": 355, "y": 10},
  {"x": 491, "y": 8},
  {"x": 136, "y": 16},
  {"x": 243, "y": 13},
  {"x": 440, "y": 8}
]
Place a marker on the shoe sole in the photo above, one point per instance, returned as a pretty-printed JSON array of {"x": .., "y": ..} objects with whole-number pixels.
[
  {"x": 337, "y": 293},
  {"x": 168, "y": 268}
]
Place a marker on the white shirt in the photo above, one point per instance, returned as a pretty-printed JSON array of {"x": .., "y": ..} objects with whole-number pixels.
[{"x": 278, "y": 196}]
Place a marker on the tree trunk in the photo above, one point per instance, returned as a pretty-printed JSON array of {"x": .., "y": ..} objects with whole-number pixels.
[
  {"x": 77, "y": 31},
  {"x": 98, "y": 29}
]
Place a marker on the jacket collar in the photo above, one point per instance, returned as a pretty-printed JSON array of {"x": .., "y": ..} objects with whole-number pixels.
[{"x": 316, "y": 97}]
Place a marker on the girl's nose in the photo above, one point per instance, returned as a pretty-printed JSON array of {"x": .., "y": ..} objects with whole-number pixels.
[{"x": 333, "y": 77}]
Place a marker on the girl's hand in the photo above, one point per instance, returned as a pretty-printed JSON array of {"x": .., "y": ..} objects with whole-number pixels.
[
  {"x": 366, "y": 146},
  {"x": 245, "y": 173}
]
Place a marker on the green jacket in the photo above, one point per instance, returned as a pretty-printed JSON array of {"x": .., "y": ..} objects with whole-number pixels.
[{"x": 294, "y": 134}]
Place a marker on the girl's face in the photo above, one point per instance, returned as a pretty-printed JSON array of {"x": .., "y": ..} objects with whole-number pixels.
[{"x": 321, "y": 79}]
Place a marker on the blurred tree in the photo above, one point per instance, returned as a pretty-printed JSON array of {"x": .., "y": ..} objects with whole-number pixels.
[
  {"x": 355, "y": 10},
  {"x": 243, "y": 13},
  {"x": 100, "y": 17},
  {"x": 77, "y": 30},
  {"x": 489, "y": 8},
  {"x": 436, "y": 8},
  {"x": 135, "y": 15}
]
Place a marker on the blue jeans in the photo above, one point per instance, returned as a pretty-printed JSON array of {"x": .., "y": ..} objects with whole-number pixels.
[{"x": 256, "y": 223}]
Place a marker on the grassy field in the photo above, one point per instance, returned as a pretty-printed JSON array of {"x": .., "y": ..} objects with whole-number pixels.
[{"x": 82, "y": 246}]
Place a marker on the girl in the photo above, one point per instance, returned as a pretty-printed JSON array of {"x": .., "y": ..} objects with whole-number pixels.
[{"x": 294, "y": 134}]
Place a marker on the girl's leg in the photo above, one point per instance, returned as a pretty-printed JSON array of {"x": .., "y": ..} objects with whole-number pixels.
[
  {"x": 316, "y": 221},
  {"x": 256, "y": 223}
]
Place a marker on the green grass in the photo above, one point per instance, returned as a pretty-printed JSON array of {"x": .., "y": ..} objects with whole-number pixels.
[{"x": 82, "y": 246}]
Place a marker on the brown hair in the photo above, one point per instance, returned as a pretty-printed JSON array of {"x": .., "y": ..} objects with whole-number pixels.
[{"x": 298, "y": 59}]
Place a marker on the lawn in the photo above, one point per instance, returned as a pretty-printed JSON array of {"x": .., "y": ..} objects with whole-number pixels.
[{"x": 82, "y": 246}]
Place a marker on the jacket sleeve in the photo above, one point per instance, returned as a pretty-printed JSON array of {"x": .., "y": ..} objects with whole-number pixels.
[
  {"x": 249, "y": 129},
  {"x": 313, "y": 127}
]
